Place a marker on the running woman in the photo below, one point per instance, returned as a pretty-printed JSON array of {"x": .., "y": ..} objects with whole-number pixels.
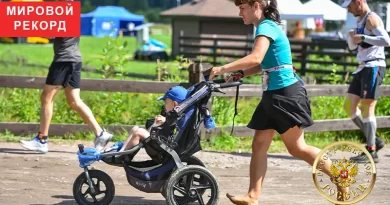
[{"x": 284, "y": 107}]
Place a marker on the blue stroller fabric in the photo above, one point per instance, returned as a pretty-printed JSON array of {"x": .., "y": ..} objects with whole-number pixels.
[
  {"x": 88, "y": 157},
  {"x": 209, "y": 122},
  {"x": 115, "y": 147}
]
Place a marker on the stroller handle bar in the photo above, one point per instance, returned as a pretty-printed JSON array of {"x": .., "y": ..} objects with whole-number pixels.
[
  {"x": 81, "y": 148},
  {"x": 221, "y": 83}
]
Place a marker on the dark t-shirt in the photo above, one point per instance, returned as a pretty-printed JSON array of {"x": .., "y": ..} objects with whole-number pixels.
[{"x": 67, "y": 50}]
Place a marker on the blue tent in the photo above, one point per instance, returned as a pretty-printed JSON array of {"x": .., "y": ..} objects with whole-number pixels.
[{"x": 108, "y": 20}]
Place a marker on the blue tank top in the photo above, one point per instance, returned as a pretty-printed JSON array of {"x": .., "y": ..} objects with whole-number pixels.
[{"x": 278, "y": 54}]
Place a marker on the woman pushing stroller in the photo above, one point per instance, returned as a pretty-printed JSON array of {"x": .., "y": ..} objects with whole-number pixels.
[{"x": 284, "y": 108}]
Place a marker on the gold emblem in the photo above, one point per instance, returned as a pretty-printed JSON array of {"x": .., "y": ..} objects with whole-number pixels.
[
  {"x": 349, "y": 182},
  {"x": 344, "y": 172}
]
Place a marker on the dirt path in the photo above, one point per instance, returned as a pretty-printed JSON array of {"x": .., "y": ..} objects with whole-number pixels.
[{"x": 30, "y": 179}]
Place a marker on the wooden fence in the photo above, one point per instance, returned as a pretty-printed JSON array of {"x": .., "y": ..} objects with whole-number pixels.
[
  {"x": 303, "y": 52},
  {"x": 84, "y": 69},
  {"x": 246, "y": 90}
]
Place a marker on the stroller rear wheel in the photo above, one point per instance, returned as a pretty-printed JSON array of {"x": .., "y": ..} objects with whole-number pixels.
[
  {"x": 190, "y": 184},
  {"x": 192, "y": 160},
  {"x": 103, "y": 186}
]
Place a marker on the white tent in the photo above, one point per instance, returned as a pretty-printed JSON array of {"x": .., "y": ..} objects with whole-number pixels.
[
  {"x": 328, "y": 8},
  {"x": 294, "y": 9}
]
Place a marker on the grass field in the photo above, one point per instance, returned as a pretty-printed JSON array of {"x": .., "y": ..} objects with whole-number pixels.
[{"x": 90, "y": 47}]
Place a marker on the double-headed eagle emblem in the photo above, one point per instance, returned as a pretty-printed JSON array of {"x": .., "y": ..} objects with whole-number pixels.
[{"x": 344, "y": 172}]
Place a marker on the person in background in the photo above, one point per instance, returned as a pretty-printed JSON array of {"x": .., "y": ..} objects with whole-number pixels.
[
  {"x": 298, "y": 32},
  {"x": 65, "y": 72},
  {"x": 369, "y": 38},
  {"x": 319, "y": 26}
]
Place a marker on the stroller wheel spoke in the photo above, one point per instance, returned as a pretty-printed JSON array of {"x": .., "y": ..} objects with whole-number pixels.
[
  {"x": 94, "y": 198},
  {"x": 179, "y": 189},
  {"x": 85, "y": 193},
  {"x": 97, "y": 185},
  {"x": 200, "y": 199},
  {"x": 190, "y": 181},
  {"x": 201, "y": 187}
]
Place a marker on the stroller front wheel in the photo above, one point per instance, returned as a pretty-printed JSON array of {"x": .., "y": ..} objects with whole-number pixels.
[
  {"x": 104, "y": 189},
  {"x": 192, "y": 183}
]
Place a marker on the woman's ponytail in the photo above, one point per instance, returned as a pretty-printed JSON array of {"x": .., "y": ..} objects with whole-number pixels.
[{"x": 272, "y": 12}]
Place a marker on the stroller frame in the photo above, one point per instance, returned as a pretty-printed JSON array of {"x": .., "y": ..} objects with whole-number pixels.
[{"x": 162, "y": 136}]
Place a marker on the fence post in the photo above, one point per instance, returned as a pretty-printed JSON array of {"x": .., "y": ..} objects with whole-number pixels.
[
  {"x": 195, "y": 72},
  {"x": 304, "y": 59},
  {"x": 215, "y": 44},
  {"x": 181, "y": 41}
]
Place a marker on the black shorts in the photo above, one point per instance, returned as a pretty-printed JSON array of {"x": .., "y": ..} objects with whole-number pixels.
[
  {"x": 366, "y": 82},
  {"x": 64, "y": 73},
  {"x": 283, "y": 109}
]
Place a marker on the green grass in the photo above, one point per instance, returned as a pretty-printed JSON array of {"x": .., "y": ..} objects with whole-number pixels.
[
  {"x": 42, "y": 72},
  {"x": 134, "y": 109},
  {"x": 90, "y": 48}
]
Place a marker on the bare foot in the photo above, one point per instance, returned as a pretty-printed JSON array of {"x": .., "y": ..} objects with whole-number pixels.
[
  {"x": 244, "y": 200},
  {"x": 342, "y": 193}
]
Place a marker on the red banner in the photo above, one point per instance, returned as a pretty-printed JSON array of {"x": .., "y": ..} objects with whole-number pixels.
[{"x": 44, "y": 19}]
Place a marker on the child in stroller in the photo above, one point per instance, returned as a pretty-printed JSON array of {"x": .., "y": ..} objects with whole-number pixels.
[
  {"x": 173, "y": 171},
  {"x": 173, "y": 97}
]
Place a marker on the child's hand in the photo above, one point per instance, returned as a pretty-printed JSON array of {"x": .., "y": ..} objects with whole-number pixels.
[{"x": 159, "y": 119}]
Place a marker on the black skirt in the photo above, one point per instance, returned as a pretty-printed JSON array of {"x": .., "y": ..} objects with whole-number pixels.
[{"x": 283, "y": 109}]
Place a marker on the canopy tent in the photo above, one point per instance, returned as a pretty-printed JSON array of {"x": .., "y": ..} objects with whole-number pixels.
[
  {"x": 328, "y": 8},
  {"x": 294, "y": 9},
  {"x": 109, "y": 20}
]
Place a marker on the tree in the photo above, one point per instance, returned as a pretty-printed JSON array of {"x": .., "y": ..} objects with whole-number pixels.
[
  {"x": 141, "y": 5},
  {"x": 87, "y": 7}
]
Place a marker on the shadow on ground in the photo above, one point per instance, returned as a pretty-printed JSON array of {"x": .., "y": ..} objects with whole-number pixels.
[
  {"x": 118, "y": 200},
  {"x": 24, "y": 151},
  {"x": 246, "y": 154}
]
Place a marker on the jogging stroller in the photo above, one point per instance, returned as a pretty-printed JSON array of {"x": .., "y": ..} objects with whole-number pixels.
[{"x": 172, "y": 171}]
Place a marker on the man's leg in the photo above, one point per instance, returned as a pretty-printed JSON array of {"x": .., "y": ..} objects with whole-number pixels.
[
  {"x": 75, "y": 102},
  {"x": 366, "y": 113},
  {"x": 39, "y": 143},
  {"x": 352, "y": 100},
  {"x": 371, "y": 80},
  {"x": 47, "y": 99},
  {"x": 369, "y": 129},
  {"x": 355, "y": 92},
  {"x": 369, "y": 120},
  {"x": 351, "y": 107}
]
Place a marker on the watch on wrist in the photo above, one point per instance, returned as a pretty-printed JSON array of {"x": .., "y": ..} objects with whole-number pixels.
[
  {"x": 241, "y": 72},
  {"x": 363, "y": 37}
]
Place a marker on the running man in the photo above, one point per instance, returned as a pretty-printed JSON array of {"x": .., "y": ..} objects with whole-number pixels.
[
  {"x": 65, "y": 72},
  {"x": 369, "y": 38}
]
